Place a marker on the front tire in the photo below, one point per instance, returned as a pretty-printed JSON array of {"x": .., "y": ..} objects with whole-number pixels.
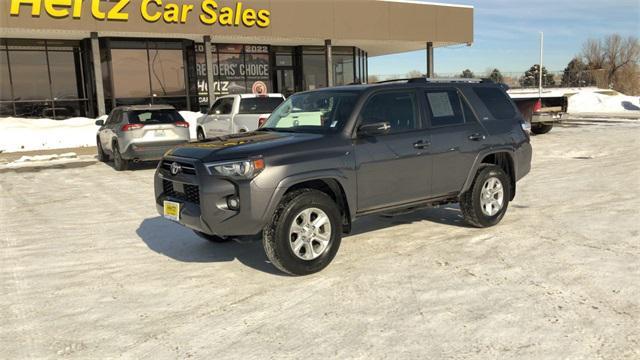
[
  {"x": 305, "y": 233},
  {"x": 486, "y": 202},
  {"x": 201, "y": 136},
  {"x": 119, "y": 163},
  {"x": 212, "y": 238},
  {"x": 541, "y": 128},
  {"x": 102, "y": 156}
]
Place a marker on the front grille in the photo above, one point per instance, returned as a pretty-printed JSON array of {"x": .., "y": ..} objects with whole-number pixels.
[
  {"x": 187, "y": 169},
  {"x": 191, "y": 192}
]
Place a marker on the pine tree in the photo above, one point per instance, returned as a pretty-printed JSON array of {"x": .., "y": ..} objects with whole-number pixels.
[
  {"x": 576, "y": 74},
  {"x": 496, "y": 76},
  {"x": 531, "y": 77},
  {"x": 468, "y": 74}
]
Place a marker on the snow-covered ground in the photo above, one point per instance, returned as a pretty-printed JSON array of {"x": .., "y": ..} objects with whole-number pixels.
[
  {"x": 18, "y": 134},
  {"x": 90, "y": 271}
]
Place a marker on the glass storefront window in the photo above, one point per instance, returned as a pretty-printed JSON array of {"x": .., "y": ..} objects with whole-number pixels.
[
  {"x": 5, "y": 83},
  {"x": 130, "y": 73},
  {"x": 63, "y": 75},
  {"x": 167, "y": 72},
  {"x": 30, "y": 75},
  {"x": 343, "y": 69},
  {"x": 314, "y": 68},
  {"x": 44, "y": 76}
]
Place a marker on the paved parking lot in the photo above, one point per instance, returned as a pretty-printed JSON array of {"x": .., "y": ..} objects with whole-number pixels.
[{"x": 88, "y": 270}]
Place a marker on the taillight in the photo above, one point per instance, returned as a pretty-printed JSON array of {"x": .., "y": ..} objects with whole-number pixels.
[
  {"x": 262, "y": 119},
  {"x": 183, "y": 124},
  {"x": 538, "y": 106},
  {"x": 130, "y": 127}
]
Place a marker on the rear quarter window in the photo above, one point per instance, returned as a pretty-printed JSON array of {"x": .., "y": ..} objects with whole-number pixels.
[
  {"x": 497, "y": 102},
  {"x": 259, "y": 105}
]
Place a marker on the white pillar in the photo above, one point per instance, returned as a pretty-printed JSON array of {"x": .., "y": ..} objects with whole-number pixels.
[{"x": 329, "y": 59}]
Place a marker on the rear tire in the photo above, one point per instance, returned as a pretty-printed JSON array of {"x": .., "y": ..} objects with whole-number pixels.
[
  {"x": 486, "y": 202},
  {"x": 303, "y": 252},
  {"x": 119, "y": 163},
  {"x": 212, "y": 238},
  {"x": 541, "y": 128}
]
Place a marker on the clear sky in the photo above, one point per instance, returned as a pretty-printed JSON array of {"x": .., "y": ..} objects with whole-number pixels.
[{"x": 507, "y": 35}]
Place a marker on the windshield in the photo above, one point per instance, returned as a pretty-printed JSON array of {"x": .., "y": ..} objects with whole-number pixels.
[
  {"x": 154, "y": 117},
  {"x": 320, "y": 111},
  {"x": 259, "y": 105}
]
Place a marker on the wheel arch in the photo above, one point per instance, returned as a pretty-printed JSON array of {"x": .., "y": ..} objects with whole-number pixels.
[
  {"x": 331, "y": 183},
  {"x": 503, "y": 158}
]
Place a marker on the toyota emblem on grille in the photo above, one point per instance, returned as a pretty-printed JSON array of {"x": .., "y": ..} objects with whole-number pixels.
[{"x": 175, "y": 168}]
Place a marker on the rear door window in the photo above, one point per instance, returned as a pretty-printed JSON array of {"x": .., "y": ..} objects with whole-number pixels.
[
  {"x": 444, "y": 107},
  {"x": 259, "y": 105},
  {"x": 497, "y": 102}
]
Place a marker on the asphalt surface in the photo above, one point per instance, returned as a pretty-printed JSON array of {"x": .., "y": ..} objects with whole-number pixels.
[{"x": 89, "y": 270}]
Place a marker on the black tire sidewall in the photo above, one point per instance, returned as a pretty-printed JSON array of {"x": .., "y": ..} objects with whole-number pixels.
[
  {"x": 119, "y": 163},
  {"x": 483, "y": 176},
  {"x": 102, "y": 156},
  {"x": 541, "y": 128},
  {"x": 200, "y": 135},
  {"x": 282, "y": 247}
]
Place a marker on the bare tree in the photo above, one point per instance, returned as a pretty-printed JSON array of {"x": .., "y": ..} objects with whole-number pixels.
[
  {"x": 414, "y": 74},
  {"x": 373, "y": 79},
  {"x": 619, "y": 53},
  {"x": 614, "y": 61}
]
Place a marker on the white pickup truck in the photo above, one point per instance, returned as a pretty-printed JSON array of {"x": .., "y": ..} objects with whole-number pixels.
[
  {"x": 237, "y": 113},
  {"x": 541, "y": 110}
]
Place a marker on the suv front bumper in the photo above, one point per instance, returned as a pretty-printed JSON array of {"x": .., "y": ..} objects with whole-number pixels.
[{"x": 203, "y": 200}]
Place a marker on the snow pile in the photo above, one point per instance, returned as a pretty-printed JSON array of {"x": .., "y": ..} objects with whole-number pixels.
[
  {"x": 42, "y": 161},
  {"x": 40, "y": 158},
  {"x": 19, "y": 134},
  {"x": 593, "y": 100}
]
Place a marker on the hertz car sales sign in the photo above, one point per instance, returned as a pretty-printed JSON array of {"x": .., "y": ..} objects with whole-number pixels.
[{"x": 208, "y": 12}]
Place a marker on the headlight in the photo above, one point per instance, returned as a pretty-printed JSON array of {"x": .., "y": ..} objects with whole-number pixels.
[{"x": 245, "y": 169}]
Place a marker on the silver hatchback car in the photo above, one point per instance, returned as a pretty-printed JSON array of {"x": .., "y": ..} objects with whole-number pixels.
[{"x": 140, "y": 133}]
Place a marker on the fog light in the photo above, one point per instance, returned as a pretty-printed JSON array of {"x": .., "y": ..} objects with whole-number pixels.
[{"x": 233, "y": 203}]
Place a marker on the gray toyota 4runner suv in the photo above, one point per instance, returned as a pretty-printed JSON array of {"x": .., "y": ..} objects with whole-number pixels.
[{"x": 327, "y": 157}]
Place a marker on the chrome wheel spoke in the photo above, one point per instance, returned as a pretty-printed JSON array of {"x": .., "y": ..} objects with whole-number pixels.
[
  {"x": 492, "y": 196},
  {"x": 310, "y": 234}
]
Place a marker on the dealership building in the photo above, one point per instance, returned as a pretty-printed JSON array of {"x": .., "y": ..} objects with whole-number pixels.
[{"x": 68, "y": 58}]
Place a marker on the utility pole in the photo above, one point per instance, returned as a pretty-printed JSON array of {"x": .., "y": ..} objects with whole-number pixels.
[{"x": 541, "y": 58}]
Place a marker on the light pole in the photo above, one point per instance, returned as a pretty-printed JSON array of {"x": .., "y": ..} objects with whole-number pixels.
[{"x": 541, "y": 58}]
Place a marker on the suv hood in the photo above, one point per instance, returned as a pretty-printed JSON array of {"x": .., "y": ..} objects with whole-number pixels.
[{"x": 239, "y": 146}]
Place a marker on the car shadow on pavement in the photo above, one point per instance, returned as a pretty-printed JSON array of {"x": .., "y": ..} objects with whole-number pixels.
[{"x": 182, "y": 244}]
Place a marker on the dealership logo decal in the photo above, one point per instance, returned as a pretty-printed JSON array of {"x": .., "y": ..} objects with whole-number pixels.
[
  {"x": 210, "y": 12},
  {"x": 175, "y": 168}
]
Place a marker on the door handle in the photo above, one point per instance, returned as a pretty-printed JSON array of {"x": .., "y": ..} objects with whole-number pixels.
[
  {"x": 421, "y": 144},
  {"x": 477, "y": 137}
]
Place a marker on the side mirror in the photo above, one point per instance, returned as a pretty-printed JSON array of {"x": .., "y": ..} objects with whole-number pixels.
[
  {"x": 100, "y": 123},
  {"x": 379, "y": 128}
]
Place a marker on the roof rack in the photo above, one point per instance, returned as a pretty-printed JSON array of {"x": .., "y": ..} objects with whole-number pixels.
[{"x": 437, "y": 80}]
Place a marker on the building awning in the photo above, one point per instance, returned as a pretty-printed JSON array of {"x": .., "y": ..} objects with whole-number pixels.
[{"x": 379, "y": 27}]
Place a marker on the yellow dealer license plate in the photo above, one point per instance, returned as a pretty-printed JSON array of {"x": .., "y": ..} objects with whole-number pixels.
[{"x": 172, "y": 210}]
